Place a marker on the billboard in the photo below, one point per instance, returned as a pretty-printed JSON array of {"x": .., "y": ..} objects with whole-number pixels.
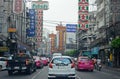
[
  {"x": 18, "y": 6},
  {"x": 31, "y": 30},
  {"x": 32, "y": 18},
  {"x": 42, "y": 5},
  {"x": 83, "y": 15},
  {"x": 71, "y": 27}
]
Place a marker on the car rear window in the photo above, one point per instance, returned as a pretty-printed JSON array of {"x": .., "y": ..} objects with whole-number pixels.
[
  {"x": 62, "y": 60},
  {"x": 24, "y": 56},
  {"x": 83, "y": 59}
]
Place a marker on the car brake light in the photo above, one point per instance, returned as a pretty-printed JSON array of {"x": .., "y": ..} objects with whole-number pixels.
[
  {"x": 79, "y": 62},
  {"x": 72, "y": 65},
  {"x": 50, "y": 65}
]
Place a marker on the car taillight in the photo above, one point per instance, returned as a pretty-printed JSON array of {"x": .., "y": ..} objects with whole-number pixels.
[
  {"x": 72, "y": 65},
  {"x": 91, "y": 63},
  {"x": 79, "y": 62},
  {"x": 27, "y": 61},
  {"x": 50, "y": 65}
]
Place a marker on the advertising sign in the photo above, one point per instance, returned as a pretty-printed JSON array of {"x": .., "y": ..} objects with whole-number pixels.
[
  {"x": 83, "y": 14},
  {"x": 30, "y": 32},
  {"x": 18, "y": 6},
  {"x": 43, "y": 5},
  {"x": 32, "y": 19},
  {"x": 71, "y": 27}
]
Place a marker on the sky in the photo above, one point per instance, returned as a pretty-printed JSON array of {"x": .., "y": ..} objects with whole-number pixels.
[{"x": 61, "y": 11}]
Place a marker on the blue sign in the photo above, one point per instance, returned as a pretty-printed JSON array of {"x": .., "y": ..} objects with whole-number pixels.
[
  {"x": 31, "y": 31},
  {"x": 95, "y": 50},
  {"x": 32, "y": 11},
  {"x": 71, "y": 27}
]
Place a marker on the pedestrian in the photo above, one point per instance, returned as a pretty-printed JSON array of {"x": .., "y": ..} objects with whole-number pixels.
[{"x": 108, "y": 61}]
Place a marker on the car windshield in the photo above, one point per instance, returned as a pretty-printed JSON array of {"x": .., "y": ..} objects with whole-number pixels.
[{"x": 61, "y": 60}]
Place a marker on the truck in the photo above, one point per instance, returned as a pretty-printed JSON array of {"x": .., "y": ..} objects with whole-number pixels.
[{"x": 20, "y": 63}]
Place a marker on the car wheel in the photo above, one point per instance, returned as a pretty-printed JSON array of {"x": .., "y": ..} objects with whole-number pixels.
[
  {"x": 91, "y": 70},
  {"x": 50, "y": 78},
  {"x": 0, "y": 68},
  {"x": 29, "y": 71},
  {"x": 10, "y": 72}
]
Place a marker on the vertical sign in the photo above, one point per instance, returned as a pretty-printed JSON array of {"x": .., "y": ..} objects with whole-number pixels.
[
  {"x": 83, "y": 15},
  {"x": 17, "y": 6},
  {"x": 31, "y": 30}
]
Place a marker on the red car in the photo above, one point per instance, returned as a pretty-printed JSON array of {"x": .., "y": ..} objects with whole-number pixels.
[
  {"x": 38, "y": 62},
  {"x": 44, "y": 61},
  {"x": 84, "y": 63}
]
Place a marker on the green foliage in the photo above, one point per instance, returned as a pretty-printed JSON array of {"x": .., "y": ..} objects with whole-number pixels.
[
  {"x": 71, "y": 53},
  {"x": 115, "y": 43}
]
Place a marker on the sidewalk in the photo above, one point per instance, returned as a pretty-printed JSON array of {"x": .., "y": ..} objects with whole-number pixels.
[{"x": 112, "y": 70}]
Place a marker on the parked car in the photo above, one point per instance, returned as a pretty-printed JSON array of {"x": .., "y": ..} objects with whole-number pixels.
[
  {"x": 38, "y": 62},
  {"x": 44, "y": 61},
  {"x": 84, "y": 63},
  {"x": 61, "y": 66},
  {"x": 21, "y": 62},
  {"x": 3, "y": 62}
]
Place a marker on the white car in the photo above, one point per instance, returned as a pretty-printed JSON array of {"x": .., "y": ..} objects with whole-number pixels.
[
  {"x": 3, "y": 63},
  {"x": 61, "y": 66},
  {"x": 57, "y": 54}
]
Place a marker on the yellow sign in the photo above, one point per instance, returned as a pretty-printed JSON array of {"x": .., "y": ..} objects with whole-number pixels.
[
  {"x": 11, "y": 29},
  {"x": 3, "y": 49}
]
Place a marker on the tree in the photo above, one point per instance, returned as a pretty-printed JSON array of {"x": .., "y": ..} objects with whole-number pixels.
[{"x": 115, "y": 43}]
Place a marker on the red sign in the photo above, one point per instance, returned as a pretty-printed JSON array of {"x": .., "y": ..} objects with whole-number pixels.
[{"x": 17, "y": 6}]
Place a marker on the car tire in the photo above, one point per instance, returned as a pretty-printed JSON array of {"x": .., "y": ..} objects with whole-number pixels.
[
  {"x": 29, "y": 71},
  {"x": 50, "y": 78},
  {"x": 10, "y": 72},
  {"x": 91, "y": 70},
  {"x": 0, "y": 67}
]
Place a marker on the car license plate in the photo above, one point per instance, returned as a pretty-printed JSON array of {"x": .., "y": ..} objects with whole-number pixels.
[
  {"x": 16, "y": 67},
  {"x": 86, "y": 63}
]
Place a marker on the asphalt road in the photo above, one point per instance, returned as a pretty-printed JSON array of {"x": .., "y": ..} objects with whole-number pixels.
[{"x": 42, "y": 74}]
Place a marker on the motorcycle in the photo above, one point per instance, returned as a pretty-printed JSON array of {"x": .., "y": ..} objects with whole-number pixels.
[{"x": 98, "y": 67}]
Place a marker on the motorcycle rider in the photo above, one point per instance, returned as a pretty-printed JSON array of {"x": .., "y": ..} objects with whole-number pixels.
[{"x": 98, "y": 64}]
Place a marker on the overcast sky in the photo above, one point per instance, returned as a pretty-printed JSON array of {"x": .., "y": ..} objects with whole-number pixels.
[{"x": 65, "y": 11}]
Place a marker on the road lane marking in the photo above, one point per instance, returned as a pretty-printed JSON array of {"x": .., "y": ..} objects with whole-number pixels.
[
  {"x": 78, "y": 77},
  {"x": 36, "y": 74}
]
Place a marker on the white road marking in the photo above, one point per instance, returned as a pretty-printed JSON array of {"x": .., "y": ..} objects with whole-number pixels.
[
  {"x": 36, "y": 74},
  {"x": 78, "y": 77}
]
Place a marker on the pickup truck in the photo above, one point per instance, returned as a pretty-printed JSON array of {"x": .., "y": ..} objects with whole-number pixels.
[{"x": 20, "y": 63}]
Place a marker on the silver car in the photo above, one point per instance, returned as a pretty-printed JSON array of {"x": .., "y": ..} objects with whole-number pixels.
[{"x": 61, "y": 66}]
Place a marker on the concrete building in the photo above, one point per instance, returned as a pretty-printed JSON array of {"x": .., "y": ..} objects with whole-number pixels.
[{"x": 107, "y": 18}]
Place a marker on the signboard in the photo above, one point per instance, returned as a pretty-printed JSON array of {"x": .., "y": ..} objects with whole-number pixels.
[
  {"x": 11, "y": 29},
  {"x": 83, "y": 14},
  {"x": 43, "y": 5},
  {"x": 18, "y": 6},
  {"x": 31, "y": 31},
  {"x": 3, "y": 49},
  {"x": 71, "y": 27}
]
